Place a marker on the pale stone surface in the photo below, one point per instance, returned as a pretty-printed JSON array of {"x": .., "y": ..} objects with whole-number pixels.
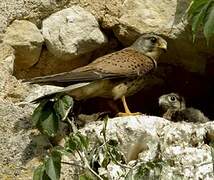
[
  {"x": 165, "y": 18},
  {"x": 7, "y": 57},
  {"x": 17, "y": 150},
  {"x": 181, "y": 145},
  {"x": 72, "y": 32},
  {"x": 27, "y": 41},
  {"x": 127, "y": 19},
  {"x": 141, "y": 16},
  {"x": 15, "y": 137},
  {"x": 10, "y": 87},
  {"x": 32, "y": 10},
  {"x": 50, "y": 64}
]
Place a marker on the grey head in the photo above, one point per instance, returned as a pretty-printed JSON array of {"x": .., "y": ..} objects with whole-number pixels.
[
  {"x": 151, "y": 45},
  {"x": 171, "y": 101}
]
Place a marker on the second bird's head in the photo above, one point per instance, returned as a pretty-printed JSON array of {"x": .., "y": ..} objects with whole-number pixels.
[{"x": 151, "y": 45}]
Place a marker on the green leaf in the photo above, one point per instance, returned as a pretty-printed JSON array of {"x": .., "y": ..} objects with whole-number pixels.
[
  {"x": 196, "y": 6},
  {"x": 37, "y": 113},
  {"x": 104, "y": 128},
  {"x": 73, "y": 143},
  {"x": 50, "y": 124},
  {"x": 45, "y": 118},
  {"x": 40, "y": 174},
  {"x": 197, "y": 20},
  {"x": 84, "y": 140},
  {"x": 63, "y": 104},
  {"x": 106, "y": 161},
  {"x": 85, "y": 177},
  {"x": 53, "y": 165},
  {"x": 209, "y": 24},
  {"x": 76, "y": 142},
  {"x": 129, "y": 175},
  {"x": 71, "y": 146},
  {"x": 198, "y": 13}
]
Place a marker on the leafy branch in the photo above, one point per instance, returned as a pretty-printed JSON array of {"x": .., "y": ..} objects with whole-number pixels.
[
  {"x": 201, "y": 14},
  {"x": 47, "y": 118}
]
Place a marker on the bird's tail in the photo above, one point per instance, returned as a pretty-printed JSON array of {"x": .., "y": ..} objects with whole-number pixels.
[{"x": 65, "y": 90}]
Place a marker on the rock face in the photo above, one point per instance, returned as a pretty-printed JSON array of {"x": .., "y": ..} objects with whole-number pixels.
[
  {"x": 14, "y": 119},
  {"x": 27, "y": 41},
  {"x": 180, "y": 144},
  {"x": 145, "y": 16},
  {"x": 7, "y": 57},
  {"x": 72, "y": 32},
  {"x": 127, "y": 19},
  {"x": 10, "y": 88},
  {"x": 15, "y": 140},
  {"x": 32, "y": 10}
]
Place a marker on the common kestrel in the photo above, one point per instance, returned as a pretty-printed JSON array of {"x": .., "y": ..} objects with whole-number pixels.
[
  {"x": 174, "y": 108},
  {"x": 114, "y": 75}
]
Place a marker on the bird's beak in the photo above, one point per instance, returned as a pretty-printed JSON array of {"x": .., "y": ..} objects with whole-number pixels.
[{"x": 163, "y": 46}]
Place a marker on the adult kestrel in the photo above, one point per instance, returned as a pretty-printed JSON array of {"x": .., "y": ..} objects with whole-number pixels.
[{"x": 114, "y": 75}]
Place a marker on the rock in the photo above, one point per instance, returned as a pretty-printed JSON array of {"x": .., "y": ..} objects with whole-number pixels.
[
  {"x": 181, "y": 145},
  {"x": 17, "y": 148},
  {"x": 27, "y": 41},
  {"x": 50, "y": 64},
  {"x": 11, "y": 89},
  {"x": 7, "y": 57},
  {"x": 72, "y": 32},
  {"x": 165, "y": 18},
  {"x": 127, "y": 19},
  {"x": 31, "y": 10},
  {"x": 9, "y": 86},
  {"x": 16, "y": 160},
  {"x": 145, "y": 16}
]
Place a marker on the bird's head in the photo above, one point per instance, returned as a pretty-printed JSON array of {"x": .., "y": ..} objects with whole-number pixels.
[
  {"x": 151, "y": 45},
  {"x": 171, "y": 101}
]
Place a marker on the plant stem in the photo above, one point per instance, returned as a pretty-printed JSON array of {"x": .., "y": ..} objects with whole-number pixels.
[
  {"x": 73, "y": 164},
  {"x": 82, "y": 154}
]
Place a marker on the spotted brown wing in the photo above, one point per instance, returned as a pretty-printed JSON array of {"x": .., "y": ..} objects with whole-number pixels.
[{"x": 125, "y": 63}]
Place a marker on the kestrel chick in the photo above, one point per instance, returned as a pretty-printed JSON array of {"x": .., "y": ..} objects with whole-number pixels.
[
  {"x": 114, "y": 75},
  {"x": 171, "y": 101},
  {"x": 174, "y": 108}
]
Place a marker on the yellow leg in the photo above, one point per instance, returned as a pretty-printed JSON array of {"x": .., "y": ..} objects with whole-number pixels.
[
  {"x": 125, "y": 105},
  {"x": 126, "y": 108}
]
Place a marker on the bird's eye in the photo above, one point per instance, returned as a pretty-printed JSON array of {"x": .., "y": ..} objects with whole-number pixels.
[
  {"x": 172, "y": 98},
  {"x": 153, "y": 39}
]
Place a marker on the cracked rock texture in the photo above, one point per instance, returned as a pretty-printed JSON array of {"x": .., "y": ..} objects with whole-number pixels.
[
  {"x": 127, "y": 19},
  {"x": 181, "y": 145},
  {"x": 27, "y": 41},
  {"x": 72, "y": 32}
]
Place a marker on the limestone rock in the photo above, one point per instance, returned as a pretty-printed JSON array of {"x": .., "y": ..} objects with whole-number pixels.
[
  {"x": 50, "y": 64},
  {"x": 72, "y": 32},
  {"x": 15, "y": 138},
  {"x": 7, "y": 57},
  {"x": 127, "y": 19},
  {"x": 10, "y": 87},
  {"x": 145, "y": 16},
  {"x": 181, "y": 146},
  {"x": 31, "y": 10},
  {"x": 27, "y": 41}
]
